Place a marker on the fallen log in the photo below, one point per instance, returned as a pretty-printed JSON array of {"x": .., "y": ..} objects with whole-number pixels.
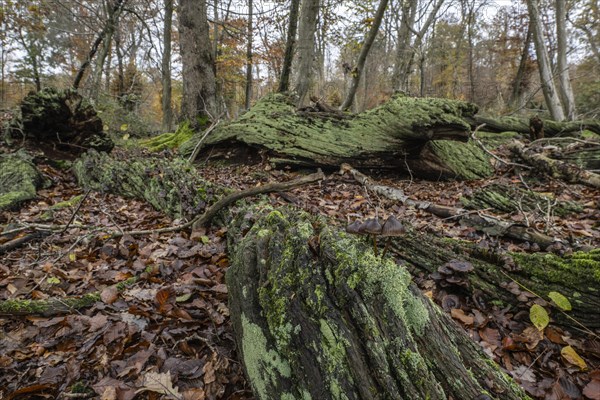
[
  {"x": 521, "y": 125},
  {"x": 486, "y": 223},
  {"x": 317, "y": 315},
  {"x": 429, "y": 137},
  {"x": 557, "y": 169},
  {"x": 19, "y": 180}
]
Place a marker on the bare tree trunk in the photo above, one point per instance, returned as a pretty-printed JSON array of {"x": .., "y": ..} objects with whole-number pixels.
[
  {"x": 108, "y": 27},
  {"x": 284, "y": 81},
  {"x": 167, "y": 112},
  {"x": 566, "y": 90},
  {"x": 404, "y": 53},
  {"x": 249, "y": 57},
  {"x": 199, "y": 85},
  {"x": 406, "y": 65},
  {"x": 364, "y": 52},
  {"x": 550, "y": 94},
  {"x": 518, "y": 83},
  {"x": 306, "y": 47}
]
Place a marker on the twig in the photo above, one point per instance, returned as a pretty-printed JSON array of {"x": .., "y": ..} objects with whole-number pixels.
[
  {"x": 480, "y": 144},
  {"x": 76, "y": 211},
  {"x": 208, "y": 130}
]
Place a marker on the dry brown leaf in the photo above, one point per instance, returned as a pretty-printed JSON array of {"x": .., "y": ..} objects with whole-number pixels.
[
  {"x": 159, "y": 383},
  {"x": 109, "y": 295},
  {"x": 460, "y": 315}
]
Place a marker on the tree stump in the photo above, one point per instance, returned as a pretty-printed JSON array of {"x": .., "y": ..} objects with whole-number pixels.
[{"x": 317, "y": 315}]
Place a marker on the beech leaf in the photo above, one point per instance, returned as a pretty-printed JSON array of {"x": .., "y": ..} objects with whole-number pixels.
[
  {"x": 561, "y": 301},
  {"x": 572, "y": 357},
  {"x": 159, "y": 383},
  {"x": 539, "y": 316}
]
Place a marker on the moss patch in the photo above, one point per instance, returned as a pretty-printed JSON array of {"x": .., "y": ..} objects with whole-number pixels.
[
  {"x": 169, "y": 140},
  {"x": 19, "y": 180}
]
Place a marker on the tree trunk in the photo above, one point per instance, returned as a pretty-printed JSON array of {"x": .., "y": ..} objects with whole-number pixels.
[
  {"x": 306, "y": 48},
  {"x": 364, "y": 52},
  {"x": 108, "y": 26},
  {"x": 317, "y": 315},
  {"x": 404, "y": 52},
  {"x": 199, "y": 85},
  {"x": 249, "y": 57},
  {"x": 550, "y": 94},
  {"x": 566, "y": 90},
  {"x": 521, "y": 125},
  {"x": 518, "y": 85},
  {"x": 290, "y": 43},
  {"x": 167, "y": 111}
]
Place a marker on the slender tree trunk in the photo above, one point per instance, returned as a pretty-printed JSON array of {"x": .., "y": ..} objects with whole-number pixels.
[
  {"x": 167, "y": 112},
  {"x": 406, "y": 66},
  {"x": 108, "y": 26},
  {"x": 199, "y": 85},
  {"x": 566, "y": 90},
  {"x": 306, "y": 47},
  {"x": 249, "y": 56},
  {"x": 404, "y": 52},
  {"x": 284, "y": 81},
  {"x": 550, "y": 94},
  {"x": 518, "y": 83},
  {"x": 364, "y": 52}
]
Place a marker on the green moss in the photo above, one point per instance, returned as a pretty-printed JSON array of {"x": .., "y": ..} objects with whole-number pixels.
[
  {"x": 334, "y": 347},
  {"x": 19, "y": 180},
  {"x": 41, "y": 307},
  {"x": 264, "y": 366},
  {"x": 464, "y": 160},
  {"x": 568, "y": 271},
  {"x": 67, "y": 203},
  {"x": 169, "y": 140}
]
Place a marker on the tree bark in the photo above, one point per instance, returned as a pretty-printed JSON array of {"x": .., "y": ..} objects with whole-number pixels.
[
  {"x": 518, "y": 85},
  {"x": 306, "y": 48},
  {"x": 199, "y": 85},
  {"x": 364, "y": 52},
  {"x": 290, "y": 44},
  {"x": 249, "y": 57},
  {"x": 547, "y": 81},
  {"x": 165, "y": 72},
  {"x": 521, "y": 125},
  {"x": 317, "y": 315},
  {"x": 566, "y": 90}
]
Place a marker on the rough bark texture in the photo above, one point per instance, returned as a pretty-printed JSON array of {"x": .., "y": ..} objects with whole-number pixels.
[
  {"x": 306, "y": 46},
  {"x": 199, "y": 87},
  {"x": 403, "y": 133},
  {"x": 165, "y": 71},
  {"x": 317, "y": 315},
  {"x": 290, "y": 44},
  {"x": 566, "y": 90},
  {"x": 577, "y": 276},
  {"x": 61, "y": 120},
  {"x": 19, "y": 180}
]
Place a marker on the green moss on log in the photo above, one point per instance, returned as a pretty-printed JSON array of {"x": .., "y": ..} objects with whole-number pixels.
[
  {"x": 19, "y": 180},
  {"x": 383, "y": 137},
  {"x": 510, "y": 199},
  {"x": 172, "y": 186},
  {"x": 169, "y": 140},
  {"x": 318, "y": 315},
  {"x": 47, "y": 307}
]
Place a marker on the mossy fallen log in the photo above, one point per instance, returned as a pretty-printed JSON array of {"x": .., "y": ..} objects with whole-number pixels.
[
  {"x": 19, "y": 180},
  {"x": 521, "y": 125},
  {"x": 172, "y": 186},
  {"x": 541, "y": 161},
  {"x": 576, "y": 276},
  {"x": 428, "y": 136},
  {"x": 317, "y": 315},
  {"x": 512, "y": 199}
]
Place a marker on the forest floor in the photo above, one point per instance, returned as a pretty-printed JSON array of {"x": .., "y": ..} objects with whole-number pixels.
[{"x": 168, "y": 333}]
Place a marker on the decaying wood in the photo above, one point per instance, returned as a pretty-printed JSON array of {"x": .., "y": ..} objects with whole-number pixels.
[
  {"x": 317, "y": 315},
  {"x": 427, "y": 136},
  {"x": 521, "y": 125},
  {"x": 557, "y": 169},
  {"x": 491, "y": 225}
]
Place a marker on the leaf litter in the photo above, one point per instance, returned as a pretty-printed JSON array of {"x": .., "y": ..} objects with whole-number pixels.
[{"x": 167, "y": 334}]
